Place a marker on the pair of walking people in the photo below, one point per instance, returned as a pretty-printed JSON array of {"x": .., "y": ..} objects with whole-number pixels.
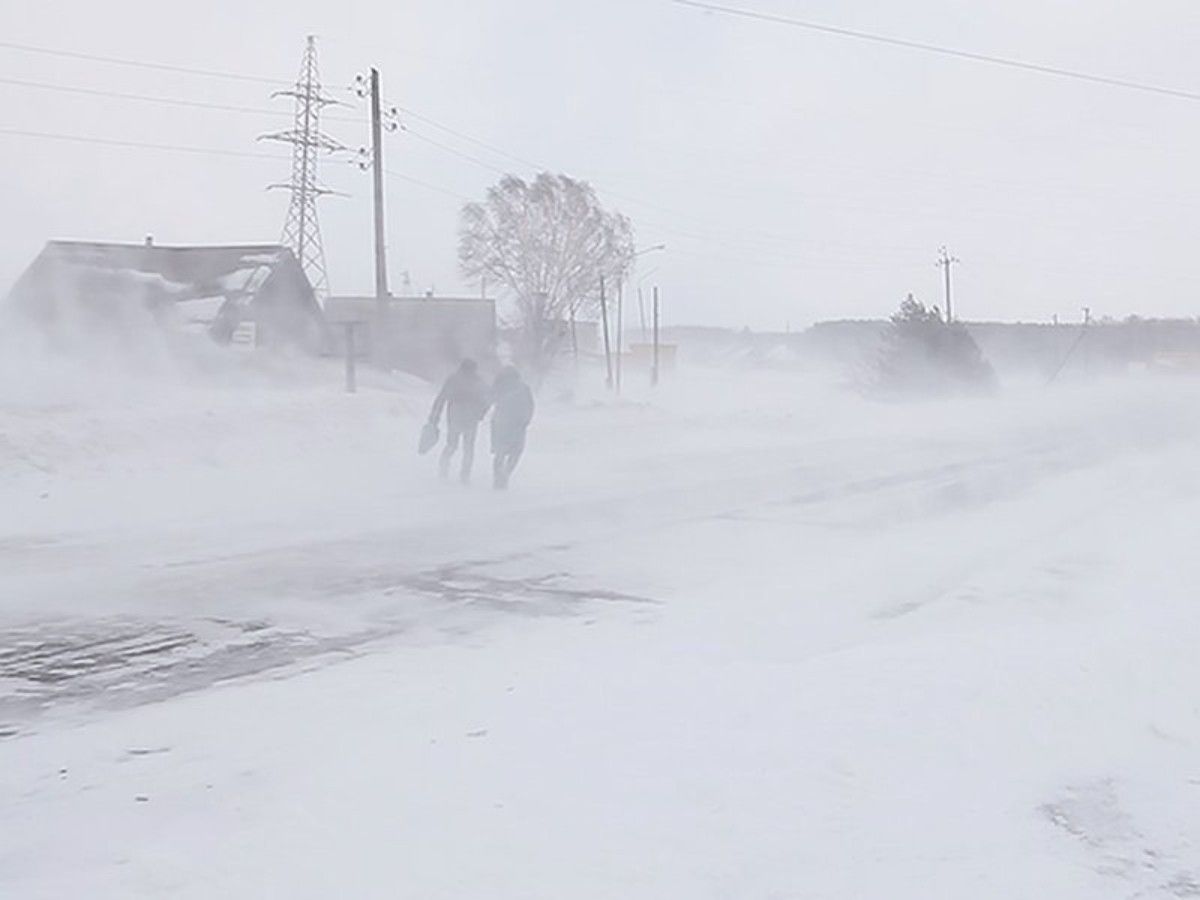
[{"x": 466, "y": 398}]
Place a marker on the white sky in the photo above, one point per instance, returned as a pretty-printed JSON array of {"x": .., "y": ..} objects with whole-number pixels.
[{"x": 795, "y": 176}]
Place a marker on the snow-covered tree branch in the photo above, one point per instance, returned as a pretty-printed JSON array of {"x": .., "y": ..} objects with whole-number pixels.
[{"x": 548, "y": 243}]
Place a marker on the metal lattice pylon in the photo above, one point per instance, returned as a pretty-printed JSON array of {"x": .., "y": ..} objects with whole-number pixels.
[{"x": 301, "y": 229}]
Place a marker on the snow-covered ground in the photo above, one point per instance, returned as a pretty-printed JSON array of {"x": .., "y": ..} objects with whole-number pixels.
[{"x": 749, "y": 636}]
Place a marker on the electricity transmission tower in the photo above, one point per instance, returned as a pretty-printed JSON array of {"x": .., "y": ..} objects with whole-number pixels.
[{"x": 301, "y": 230}]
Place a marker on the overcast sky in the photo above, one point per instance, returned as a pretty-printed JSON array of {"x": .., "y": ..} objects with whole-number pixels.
[{"x": 794, "y": 176}]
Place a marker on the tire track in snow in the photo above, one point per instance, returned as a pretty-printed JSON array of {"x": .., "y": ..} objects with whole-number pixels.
[{"x": 118, "y": 662}]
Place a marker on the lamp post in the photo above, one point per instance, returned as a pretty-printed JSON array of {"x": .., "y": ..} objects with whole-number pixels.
[
  {"x": 642, "y": 305},
  {"x": 653, "y": 248}
]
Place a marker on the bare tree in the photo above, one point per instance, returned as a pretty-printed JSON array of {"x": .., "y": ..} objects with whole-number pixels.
[{"x": 549, "y": 243}]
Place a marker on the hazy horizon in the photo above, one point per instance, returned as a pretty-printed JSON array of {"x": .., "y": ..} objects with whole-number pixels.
[{"x": 794, "y": 176}]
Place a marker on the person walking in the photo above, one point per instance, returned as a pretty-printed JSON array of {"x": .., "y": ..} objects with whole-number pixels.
[
  {"x": 464, "y": 397},
  {"x": 512, "y": 411}
]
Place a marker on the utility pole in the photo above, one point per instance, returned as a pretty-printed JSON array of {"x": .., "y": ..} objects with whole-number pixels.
[
  {"x": 301, "y": 231},
  {"x": 1087, "y": 319},
  {"x": 381, "y": 120},
  {"x": 642, "y": 314},
  {"x": 381, "y": 288},
  {"x": 641, "y": 305},
  {"x": 620, "y": 311},
  {"x": 574, "y": 343},
  {"x": 654, "y": 363},
  {"x": 945, "y": 261},
  {"x": 351, "y": 355},
  {"x": 608, "y": 378},
  {"x": 1087, "y": 356}
]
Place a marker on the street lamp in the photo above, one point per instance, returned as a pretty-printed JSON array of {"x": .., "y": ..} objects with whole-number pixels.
[{"x": 641, "y": 307}]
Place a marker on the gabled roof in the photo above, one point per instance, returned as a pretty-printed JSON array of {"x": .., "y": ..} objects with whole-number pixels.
[
  {"x": 178, "y": 272},
  {"x": 260, "y": 282}
]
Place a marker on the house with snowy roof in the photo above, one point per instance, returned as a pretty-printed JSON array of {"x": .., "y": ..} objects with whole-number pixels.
[{"x": 257, "y": 292}]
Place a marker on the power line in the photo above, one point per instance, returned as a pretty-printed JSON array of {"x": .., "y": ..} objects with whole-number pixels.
[
  {"x": 149, "y": 98},
  {"x": 461, "y": 135},
  {"x": 468, "y": 138},
  {"x": 908, "y": 176},
  {"x": 425, "y": 184},
  {"x": 668, "y": 229},
  {"x": 145, "y": 98},
  {"x": 941, "y": 50},
  {"x": 212, "y": 151},
  {"x": 768, "y": 240},
  {"x": 493, "y": 148},
  {"x": 111, "y": 142},
  {"x": 792, "y": 262},
  {"x": 795, "y": 262},
  {"x": 453, "y": 150},
  {"x": 137, "y": 64},
  {"x": 754, "y": 235},
  {"x": 752, "y": 239}
]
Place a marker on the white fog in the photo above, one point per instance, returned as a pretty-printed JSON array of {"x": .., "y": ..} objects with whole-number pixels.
[{"x": 569, "y": 521}]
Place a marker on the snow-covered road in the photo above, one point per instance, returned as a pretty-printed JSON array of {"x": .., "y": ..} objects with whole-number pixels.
[{"x": 750, "y": 639}]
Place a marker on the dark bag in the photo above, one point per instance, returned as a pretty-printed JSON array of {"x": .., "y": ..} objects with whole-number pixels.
[{"x": 429, "y": 438}]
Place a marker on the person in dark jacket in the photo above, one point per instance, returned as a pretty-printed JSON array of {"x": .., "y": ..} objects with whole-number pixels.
[
  {"x": 464, "y": 396},
  {"x": 512, "y": 411}
]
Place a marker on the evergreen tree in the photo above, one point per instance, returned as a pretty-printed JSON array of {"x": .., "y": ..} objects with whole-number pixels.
[{"x": 922, "y": 353}]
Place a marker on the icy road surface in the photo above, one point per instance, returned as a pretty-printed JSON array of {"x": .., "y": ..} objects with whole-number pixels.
[{"x": 751, "y": 638}]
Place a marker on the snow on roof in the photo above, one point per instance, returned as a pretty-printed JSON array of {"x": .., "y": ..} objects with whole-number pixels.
[
  {"x": 260, "y": 282},
  {"x": 238, "y": 272},
  {"x": 234, "y": 268}
]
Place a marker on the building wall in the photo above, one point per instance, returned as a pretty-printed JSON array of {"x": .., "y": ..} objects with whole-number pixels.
[
  {"x": 83, "y": 288},
  {"x": 427, "y": 336}
]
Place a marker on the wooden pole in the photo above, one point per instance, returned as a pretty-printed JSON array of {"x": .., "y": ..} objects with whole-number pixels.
[
  {"x": 945, "y": 260},
  {"x": 654, "y": 364},
  {"x": 351, "y": 380},
  {"x": 378, "y": 342},
  {"x": 574, "y": 343},
  {"x": 608, "y": 367},
  {"x": 620, "y": 312}
]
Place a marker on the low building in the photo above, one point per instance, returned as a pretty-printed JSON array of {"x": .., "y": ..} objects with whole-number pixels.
[
  {"x": 426, "y": 336},
  {"x": 642, "y": 356},
  {"x": 257, "y": 293}
]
